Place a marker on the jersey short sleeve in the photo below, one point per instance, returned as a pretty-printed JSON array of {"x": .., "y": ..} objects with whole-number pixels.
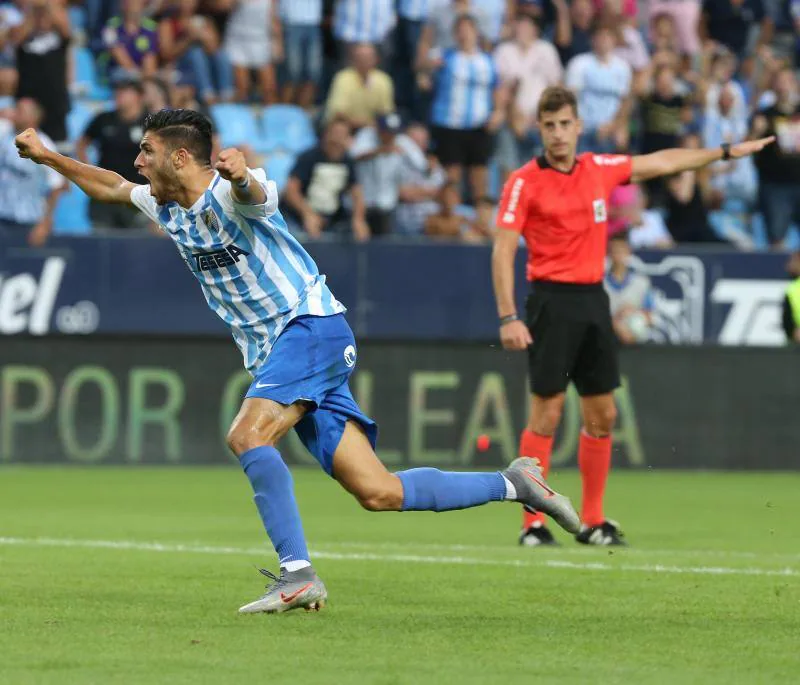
[
  {"x": 145, "y": 202},
  {"x": 513, "y": 208},
  {"x": 615, "y": 170},
  {"x": 266, "y": 208}
]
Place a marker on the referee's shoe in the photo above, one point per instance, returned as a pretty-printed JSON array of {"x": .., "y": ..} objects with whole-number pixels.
[
  {"x": 537, "y": 535},
  {"x": 607, "y": 533}
]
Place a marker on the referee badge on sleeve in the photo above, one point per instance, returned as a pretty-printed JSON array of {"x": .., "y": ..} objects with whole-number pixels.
[{"x": 600, "y": 214}]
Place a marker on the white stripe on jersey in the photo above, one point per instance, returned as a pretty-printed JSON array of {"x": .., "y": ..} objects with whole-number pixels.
[
  {"x": 368, "y": 21},
  {"x": 255, "y": 276}
]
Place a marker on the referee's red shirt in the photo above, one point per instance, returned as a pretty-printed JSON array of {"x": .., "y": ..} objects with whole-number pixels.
[{"x": 563, "y": 216}]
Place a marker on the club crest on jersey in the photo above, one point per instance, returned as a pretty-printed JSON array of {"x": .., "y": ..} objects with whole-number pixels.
[
  {"x": 600, "y": 214},
  {"x": 211, "y": 261},
  {"x": 210, "y": 219}
]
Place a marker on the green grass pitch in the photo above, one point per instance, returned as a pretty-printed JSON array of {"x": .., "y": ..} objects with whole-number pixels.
[{"x": 133, "y": 576}]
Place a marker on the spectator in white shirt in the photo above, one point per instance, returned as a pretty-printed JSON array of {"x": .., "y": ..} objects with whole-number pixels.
[
  {"x": 627, "y": 213},
  {"x": 421, "y": 179},
  {"x": 378, "y": 159},
  {"x": 602, "y": 82},
  {"x": 364, "y": 21},
  {"x": 28, "y": 192},
  {"x": 526, "y": 65},
  {"x": 254, "y": 41},
  {"x": 630, "y": 294}
]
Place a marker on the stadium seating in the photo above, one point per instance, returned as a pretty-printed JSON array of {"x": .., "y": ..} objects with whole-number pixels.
[
  {"x": 237, "y": 125},
  {"x": 287, "y": 127},
  {"x": 278, "y": 167},
  {"x": 87, "y": 84},
  {"x": 78, "y": 119},
  {"x": 77, "y": 18},
  {"x": 71, "y": 215}
]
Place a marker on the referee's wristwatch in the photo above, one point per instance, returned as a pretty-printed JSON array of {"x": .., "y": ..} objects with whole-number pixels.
[
  {"x": 726, "y": 151},
  {"x": 508, "y": 319}
]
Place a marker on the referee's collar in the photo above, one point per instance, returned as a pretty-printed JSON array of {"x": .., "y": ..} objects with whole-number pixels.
[{"x": 542, "y": 162}]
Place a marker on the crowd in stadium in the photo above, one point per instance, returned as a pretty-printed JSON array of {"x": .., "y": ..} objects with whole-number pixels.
[{"x": 380, "y": 118}]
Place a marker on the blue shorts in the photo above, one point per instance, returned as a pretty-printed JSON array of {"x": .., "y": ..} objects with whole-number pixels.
[{"x": 312, "y": 361}]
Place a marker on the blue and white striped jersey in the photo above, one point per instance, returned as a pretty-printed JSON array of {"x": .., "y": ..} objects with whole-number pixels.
[
  {"x": 301, "y": 12},
  {"x": 415, "y": 10},
  {"x": 600, "y": 87},
  {"x": 363, "y": 21},
  {"x": 465, "y": 84},
  {"x": 24, "y": 185},
  {"x": 255, "y": 276}
]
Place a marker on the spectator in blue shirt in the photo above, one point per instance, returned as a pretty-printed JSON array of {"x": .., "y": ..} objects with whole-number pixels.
[{"x": 468, "y": 107}]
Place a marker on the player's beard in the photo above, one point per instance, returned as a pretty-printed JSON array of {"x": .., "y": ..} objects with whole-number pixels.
[{"x": 165, "y": 184}]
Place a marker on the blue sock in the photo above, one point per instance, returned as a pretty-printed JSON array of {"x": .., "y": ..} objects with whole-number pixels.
[
  {"x": 272, "y": 482},
  {"x": 434, "y": 490}
]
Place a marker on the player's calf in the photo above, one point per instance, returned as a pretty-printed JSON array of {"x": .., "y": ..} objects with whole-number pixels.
[
  {"x": 385, "y": 495},
  {"x": 545, "y": 414}
]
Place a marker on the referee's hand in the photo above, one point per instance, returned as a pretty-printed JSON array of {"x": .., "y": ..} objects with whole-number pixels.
[{"x": 515, "y": 336}]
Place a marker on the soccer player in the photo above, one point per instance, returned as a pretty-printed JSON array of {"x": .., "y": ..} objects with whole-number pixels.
[
  {"x": 558, "y": 203},
  {"x": 294, "y": 338}
]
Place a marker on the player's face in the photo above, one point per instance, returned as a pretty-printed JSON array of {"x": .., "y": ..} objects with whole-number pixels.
[
  {"x": 156, "y": 165},
  {"x": 560, "y": 131}
]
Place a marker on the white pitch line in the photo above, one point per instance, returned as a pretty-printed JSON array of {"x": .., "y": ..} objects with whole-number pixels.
[
  {"x": 127, "y": 545},
  {"x": 627, "y": 551}
]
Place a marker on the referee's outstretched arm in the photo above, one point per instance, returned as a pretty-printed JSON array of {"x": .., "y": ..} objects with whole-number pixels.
[{"x": 675, "y": 160}]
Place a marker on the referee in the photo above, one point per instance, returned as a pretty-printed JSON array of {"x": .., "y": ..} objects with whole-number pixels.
[{"x": 558, "y": 204}]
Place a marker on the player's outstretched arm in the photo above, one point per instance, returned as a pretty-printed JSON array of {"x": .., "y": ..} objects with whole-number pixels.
[
  {"x": 675, "y": 160},
  {"x": 99, "y": 184}
]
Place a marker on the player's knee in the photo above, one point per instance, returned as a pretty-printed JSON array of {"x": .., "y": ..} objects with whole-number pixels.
[
  {"x": 384, "y": 496},
  {"x": 601, "y": 421},
  {"x": 546, "y": 418},
  {"x": 244, "y": 436}
]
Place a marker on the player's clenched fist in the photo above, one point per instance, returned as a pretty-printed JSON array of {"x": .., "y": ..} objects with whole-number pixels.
[
  {"x": 515, "y": 336},
  {"x": 30, "y": 145},
  {"x": 232, "y": 165}
]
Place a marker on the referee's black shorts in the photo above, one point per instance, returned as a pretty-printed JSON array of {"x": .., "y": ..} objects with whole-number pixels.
[{"x": 573, "y": 339}]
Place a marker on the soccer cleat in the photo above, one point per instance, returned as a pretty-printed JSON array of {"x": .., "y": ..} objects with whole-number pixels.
[
  {"x": 607, "y": 533},
  {"x": 292, "y": 590},
  {"x": 536, "y": 495},
  {"x": 536, "y": 536}
]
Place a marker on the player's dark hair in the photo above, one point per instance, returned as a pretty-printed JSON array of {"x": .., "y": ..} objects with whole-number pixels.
[
  {"x": 619, "y": 237},
  {"x": 183, "y": 128},
  {"x": 553, "y": 98}
]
